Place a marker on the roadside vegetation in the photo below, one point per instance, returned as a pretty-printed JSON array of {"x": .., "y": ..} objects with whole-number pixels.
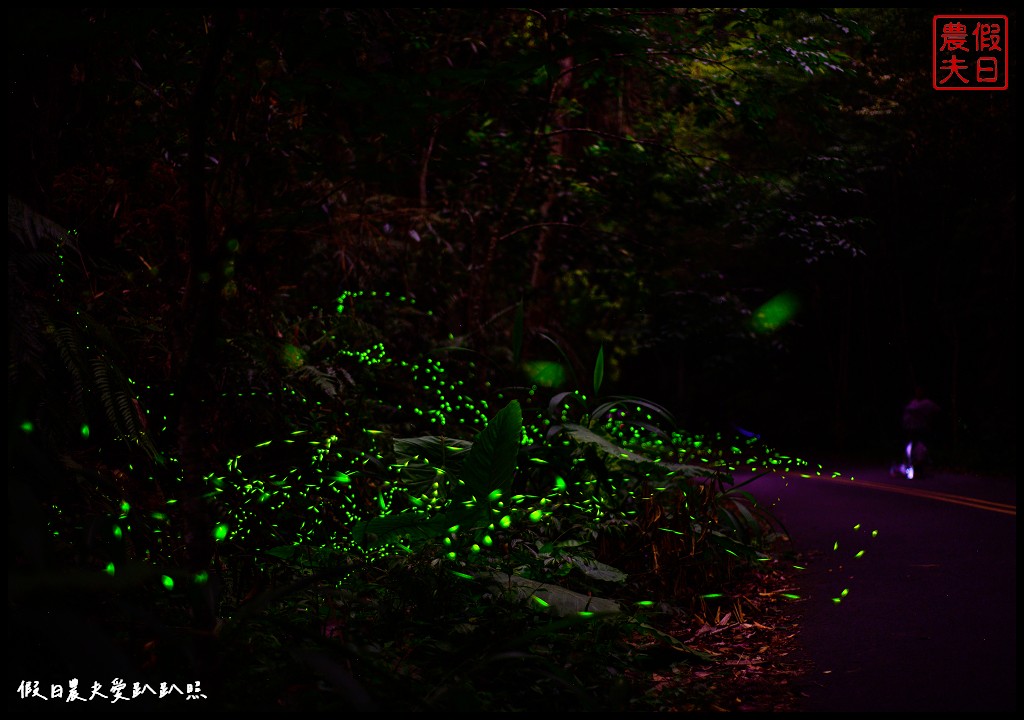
[{"x": 391, "y": 358}]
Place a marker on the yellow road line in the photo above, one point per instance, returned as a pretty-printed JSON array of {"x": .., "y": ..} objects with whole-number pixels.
[{"x": 992, "y": 506}]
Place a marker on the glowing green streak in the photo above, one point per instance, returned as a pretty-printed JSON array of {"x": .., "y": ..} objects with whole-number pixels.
[
  {"x": 541, "y": 602},
  {"x": 85, "y": 430},
  {"x": 109, "y": 569},
  {"x": 27, "y": 426},
  {"x": 168, "y": 582}
]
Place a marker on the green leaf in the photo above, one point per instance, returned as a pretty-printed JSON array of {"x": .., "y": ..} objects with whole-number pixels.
[
  {"x": 599, "y": 371},
  {"x": 411, "y": 526},
  {"x": 586, "y": 436},
  {"x": 492, "y": 459},
  {"x": 589, "y": 437},
  {"x": 632, "y": 405},
  {"x": 421, "y": 457},
  {"x": 598, "y": 570},
  {"x": 486, "y": 476},
  {"x": 557, "y": 599},
  {"x": 283, "y": 551}
]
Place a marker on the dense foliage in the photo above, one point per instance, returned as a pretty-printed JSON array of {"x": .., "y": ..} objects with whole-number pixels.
[{"x": 331, "y": 333}]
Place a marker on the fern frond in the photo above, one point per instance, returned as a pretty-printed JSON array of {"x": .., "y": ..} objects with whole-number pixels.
[
  {"x": 29, "y": 227},
  {"x": 325, "y": 382},
  {"x": 348, "y": 377}
]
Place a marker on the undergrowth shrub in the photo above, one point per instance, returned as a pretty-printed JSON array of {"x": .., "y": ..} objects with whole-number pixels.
[{"x": 405, "y": 539}]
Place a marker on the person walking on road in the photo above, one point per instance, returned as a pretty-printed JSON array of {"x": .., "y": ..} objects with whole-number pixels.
[{"x": 919, "y": 419}]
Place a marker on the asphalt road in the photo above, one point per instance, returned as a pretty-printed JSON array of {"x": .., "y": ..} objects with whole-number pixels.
[{"x": 925, "y": 574}]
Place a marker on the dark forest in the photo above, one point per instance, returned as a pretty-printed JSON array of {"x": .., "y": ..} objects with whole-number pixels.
[{"x": 401, "y": 358}]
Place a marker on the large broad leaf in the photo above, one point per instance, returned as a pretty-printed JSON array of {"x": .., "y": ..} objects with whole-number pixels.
[
  {"x": 411, "y": 526},
  {"x": 421, "y": 458},
  {"x": 587, "y": 436},
  {"x": 486, "y": 474},
  {"x": 632, "y": 406},
  {"x": 438, "y": 450},
  {"x": 556, "y": 599},
  {"x": 598, "y": 570},
  {"x": 488, "y": 468}
]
